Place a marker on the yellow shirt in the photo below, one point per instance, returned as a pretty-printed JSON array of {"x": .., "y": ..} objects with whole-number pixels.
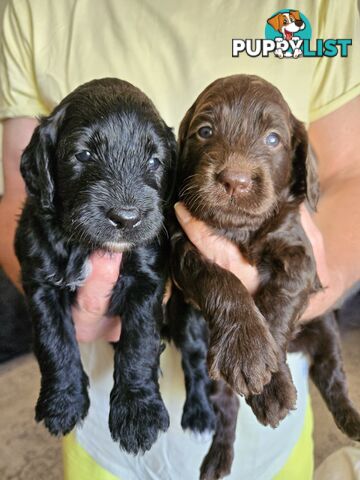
[{"x": 172, "y": 49}]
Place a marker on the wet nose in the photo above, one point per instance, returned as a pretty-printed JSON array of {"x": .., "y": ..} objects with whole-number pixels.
[
  {"x": 235, "y": 181},
  {"x": 299, "y": 23},
  {"x": 124, "y": 217}
]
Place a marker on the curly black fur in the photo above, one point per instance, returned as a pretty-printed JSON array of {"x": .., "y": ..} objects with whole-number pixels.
[{"x": 112, "y": 198}]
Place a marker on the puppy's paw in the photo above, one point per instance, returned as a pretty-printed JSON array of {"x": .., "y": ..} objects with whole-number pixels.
[
  {"x": 276, "y": 400},
  {"x": 347, "y": 418},
  {"x": 245, "y": 357},
  {"x": 218, "y": 461},
  {"x": 198, "y": 415},
  {"x": 62, "y": 408},
  {"x": 135, "y": 420}
]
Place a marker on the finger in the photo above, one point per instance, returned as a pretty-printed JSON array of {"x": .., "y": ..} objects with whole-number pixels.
[
  {"x": 94, "y": 296},
  {"x": 106, "y": 327},
  {"x": 317, "y": 242},
  {"x": 168, "y": 291},
  {"x": 113, "y": 330},
  {"x": 196, "y": 230},
  {"x": 318, "y": 302},
  {"x": 219, "y": 250},
  {"x": 311, "y": 230}
]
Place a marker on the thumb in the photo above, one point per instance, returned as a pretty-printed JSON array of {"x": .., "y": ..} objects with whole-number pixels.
[
  {"x": 217, "y": 249},
  {"x": 94, "y": 296},
  {"x": 196, "y": 230}
]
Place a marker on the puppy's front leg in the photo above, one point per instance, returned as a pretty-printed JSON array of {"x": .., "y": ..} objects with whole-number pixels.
[
  {"x": 63, "y": 399},
  {"x": 137, "y": 412},
  {"x": 241, "y": 348},
  {"x": 281, "y": 300}
]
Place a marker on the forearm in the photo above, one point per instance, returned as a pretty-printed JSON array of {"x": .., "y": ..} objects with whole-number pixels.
[
  {"x": 9, "y": 211},
  {"x": 336, "y": 142},
  {"x": 16, "y": 135},
  {"x": 338, "y": 219}
]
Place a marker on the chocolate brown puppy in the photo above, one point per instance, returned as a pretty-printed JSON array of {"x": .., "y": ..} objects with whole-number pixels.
[{"x": 244, "y": 169}]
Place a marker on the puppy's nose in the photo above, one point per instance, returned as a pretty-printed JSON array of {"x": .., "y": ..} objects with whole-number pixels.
[
  {"x": 299, "y": 23},
  {"x": 235, "y": 181},
  {"x": 124, "y": 217}
]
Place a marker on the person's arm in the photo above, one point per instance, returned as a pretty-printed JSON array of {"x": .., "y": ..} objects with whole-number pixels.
[
  {"x": 16, "y": 135},
  {"x": 336, "y": 141},
  {"x": 93, "y": 297},
  {"x": 334, "y": 231}
]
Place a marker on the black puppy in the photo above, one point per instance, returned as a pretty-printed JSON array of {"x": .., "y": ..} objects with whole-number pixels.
[{"x": 98, "y": 173}]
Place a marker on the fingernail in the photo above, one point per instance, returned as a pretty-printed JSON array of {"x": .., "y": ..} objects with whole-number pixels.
[{"x": 182, "y": 213}]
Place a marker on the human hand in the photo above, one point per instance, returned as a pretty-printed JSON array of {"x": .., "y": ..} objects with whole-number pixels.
[
  {"x": 217, "y": 249},
  {"x": 89, "y": 312},
  {"x": 228, "y": 256},
  {"x": 325, "y": 299}
]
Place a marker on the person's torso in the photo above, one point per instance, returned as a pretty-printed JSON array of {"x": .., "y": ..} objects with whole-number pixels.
[{"x": 171, "y": 50}]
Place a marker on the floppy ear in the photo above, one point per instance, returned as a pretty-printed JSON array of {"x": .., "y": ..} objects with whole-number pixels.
[
  {"x": 305, "y": 180},
  {"x": 172, "y": 144},
  {"x": 275, "y": 22},
  {"x": 171, "y": 170},
  {"x": 184, "y": 127},
  {"x": 38, "y": 158},
  {"x": 295, "y": 14}
]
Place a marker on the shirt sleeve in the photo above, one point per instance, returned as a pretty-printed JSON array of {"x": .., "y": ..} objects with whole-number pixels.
[
  {"x": 18, "y": 90},
  {"x": 336, "y": 79}
]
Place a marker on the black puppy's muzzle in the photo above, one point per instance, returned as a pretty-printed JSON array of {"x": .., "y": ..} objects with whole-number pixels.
[{"x": 124, "y": 218}]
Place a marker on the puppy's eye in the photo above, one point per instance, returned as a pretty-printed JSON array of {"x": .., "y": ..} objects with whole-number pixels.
[
  {"x": 153, "y": 163},
  {"x": 83, "y": 156},
  {"x": 285, "y": 21},
  {"x": 272, "y": 139},
  {"x": 205, "y": 132}
]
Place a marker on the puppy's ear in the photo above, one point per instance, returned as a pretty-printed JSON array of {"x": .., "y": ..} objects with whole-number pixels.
[
  {"x": 295, "y": 14},
  {"x": 305, "y": 180},
  {"x": 38, "y": 158},
  {"x": 172, "y": 144},
  {"x": 275, "y": 21},
  {"x": 184, "y": 127},
  {"x": 171, "y": 169}
]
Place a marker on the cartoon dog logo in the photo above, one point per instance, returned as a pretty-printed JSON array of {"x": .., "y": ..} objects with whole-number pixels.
[{"x": 287, "y": 24}]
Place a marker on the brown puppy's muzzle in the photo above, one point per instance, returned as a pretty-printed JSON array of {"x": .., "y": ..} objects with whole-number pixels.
[
  {"x": 235, "y": 182},
  {"x": 243, "y": 182}
]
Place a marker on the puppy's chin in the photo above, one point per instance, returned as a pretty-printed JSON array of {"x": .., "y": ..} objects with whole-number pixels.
[
  {"x": 226, "y": 213},
  {"x": 230, "y": 220},
  {"x": 117, "y": 247}
]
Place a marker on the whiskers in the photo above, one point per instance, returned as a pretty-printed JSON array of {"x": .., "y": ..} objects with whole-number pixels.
[{"x": 79, "y": 234}]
